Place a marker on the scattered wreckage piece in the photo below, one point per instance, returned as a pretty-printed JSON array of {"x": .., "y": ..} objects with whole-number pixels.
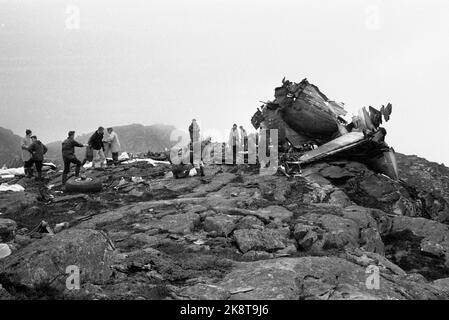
[
  {"x": 305, "y": 117},
  {"x": 42, "y": 227},
  {"x": 11, "y": 187},
  {"x": 5, "y": 250},
  {"x": 186, "y": 170},
  {"x": 9, "y": 173},
  {"x": 71, "y": 197}
]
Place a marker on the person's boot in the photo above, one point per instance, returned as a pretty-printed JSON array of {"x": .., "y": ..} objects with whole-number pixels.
[
  {"x": 77, "y": 171},
  {"x": 64, "y": 178},
  {"x": 30, "y": 172},
  {"x": 39, "y": 176}
]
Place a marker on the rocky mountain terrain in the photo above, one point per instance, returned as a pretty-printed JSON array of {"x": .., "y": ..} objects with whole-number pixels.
[
  {"x": 10, "y": 154},
  {"x": 232, "y": 234}
]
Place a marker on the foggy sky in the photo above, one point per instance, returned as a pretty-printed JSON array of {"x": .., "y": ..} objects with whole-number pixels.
[{"x": 170, "y": 61}]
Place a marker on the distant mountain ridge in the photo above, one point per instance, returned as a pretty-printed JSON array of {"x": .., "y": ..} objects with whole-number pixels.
[
  {"x": 10, "y": 152},
  {"x": 133, "y": 138}
]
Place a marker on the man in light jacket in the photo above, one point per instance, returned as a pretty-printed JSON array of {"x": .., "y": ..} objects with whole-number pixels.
[
  {"x": 26, "y": 155},
  {"x": 114, "y": 144}
]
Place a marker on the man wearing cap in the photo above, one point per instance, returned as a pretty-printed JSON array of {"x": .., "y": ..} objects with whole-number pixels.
[
  {"x": 37, "y": 150},
  {"x": 68, "y": 155}
]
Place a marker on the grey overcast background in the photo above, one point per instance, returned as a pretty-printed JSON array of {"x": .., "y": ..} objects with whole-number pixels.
[{"x": 79, "y": 64}]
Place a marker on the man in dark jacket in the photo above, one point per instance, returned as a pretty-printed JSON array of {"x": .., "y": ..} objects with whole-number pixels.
[
  {"x": 194, "y": 131},
  {"x": 96, "y": 143},
  {"x": 37, "y": 150},
  {"x": 68, "y": 155}
]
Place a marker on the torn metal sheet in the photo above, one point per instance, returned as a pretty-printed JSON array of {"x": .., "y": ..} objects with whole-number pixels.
[
  {"x": 386, "y": 111},
  {"x": 376, "y": 116},
  {"x": 344, "y": 142}
]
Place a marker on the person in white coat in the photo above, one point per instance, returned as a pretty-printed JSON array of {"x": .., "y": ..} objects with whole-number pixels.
[
  {"x": 26, "y": 155},
  {"x": 114, "y": 144}
]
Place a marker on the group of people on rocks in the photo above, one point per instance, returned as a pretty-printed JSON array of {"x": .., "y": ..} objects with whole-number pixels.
[
  {"x": 95, "y": 152},
  {"x": 33, "y": 151}
]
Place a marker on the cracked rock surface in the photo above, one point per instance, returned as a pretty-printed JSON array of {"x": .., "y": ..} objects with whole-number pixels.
[{"x": 232, "y": 234}]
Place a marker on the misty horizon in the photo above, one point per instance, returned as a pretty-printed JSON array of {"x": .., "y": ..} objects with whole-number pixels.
[{"x": 168, "y": 62}]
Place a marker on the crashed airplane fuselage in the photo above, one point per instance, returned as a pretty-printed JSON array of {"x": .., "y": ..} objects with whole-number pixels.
[{"x": 304, "y": 116}]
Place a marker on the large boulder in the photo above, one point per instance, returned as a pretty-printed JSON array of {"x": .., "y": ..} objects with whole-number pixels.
[
  {"x": 308, "y": 237},
  {"x": 182, "y": 223},
  {"x": 420, "y": 192},
  {"x": 434, "y": 234},
  {"x": 328, "y": 228},
  {"x": 250, "y": 222},
  {"x": 370, "y": 238},
  {"x": 275, "y": 213},
  {"x": 334, "y": 231},
  {"x": 339, "y": 198},
  {"x": 264, "y": 240},
  {"x": 419, "y": 244},
  {"x": 335, "y": 172},
  {"x": 221, "y": 224},
  {"x": 43, "y": 263},
  {"x": 424, "y": 175}
]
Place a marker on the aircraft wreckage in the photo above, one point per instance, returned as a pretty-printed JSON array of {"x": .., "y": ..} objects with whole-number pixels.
[{"x": 312, "y": 128}]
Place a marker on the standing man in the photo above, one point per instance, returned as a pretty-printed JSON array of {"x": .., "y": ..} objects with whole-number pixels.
[
  {"x": 96, "y": 142},
  {"x": 68, "y": 155},
  {"x": 114, "y": 144},
  {"x": 26, "y": 155},
  {"x": 37, "y": 149},
  {"x": 194, "y": 130},
  {"x": 234, "y": 140}
]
